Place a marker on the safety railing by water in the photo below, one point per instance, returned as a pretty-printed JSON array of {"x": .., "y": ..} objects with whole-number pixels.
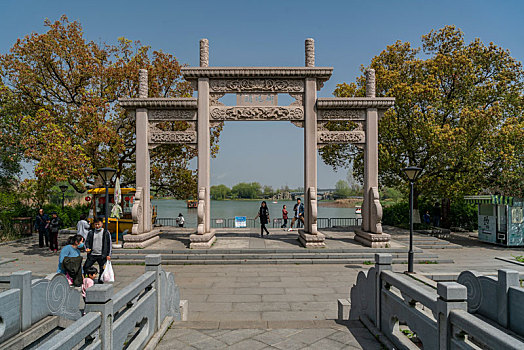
[
  {"x": 275, "y": 223},
  {"x": 406, "y": 314}
]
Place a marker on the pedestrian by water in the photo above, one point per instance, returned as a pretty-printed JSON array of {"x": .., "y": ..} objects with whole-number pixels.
[
  {"x": 284, "y": 217},
  {"x": 54, "y": 226},
  {"x": 263, "y": 213},
  {"x": 299, "y": 214},
  {"x": 180, "y": 220},
  {"x": 89, "y": 280},
  {"x": 82, "y": 226},
  {"x": 42, "y": 226},
  {"x": 98, "y": 246}
]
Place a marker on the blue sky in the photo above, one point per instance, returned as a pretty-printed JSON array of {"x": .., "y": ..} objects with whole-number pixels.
[{"x": 271, "y": 33}]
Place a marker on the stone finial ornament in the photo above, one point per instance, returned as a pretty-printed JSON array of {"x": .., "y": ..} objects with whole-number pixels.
[
  {"x": 204, "y": 53},
  {"x": 370, "y": 82},
  {"x": 142, "y": 83},
  {"x": 310, "y": 52}
]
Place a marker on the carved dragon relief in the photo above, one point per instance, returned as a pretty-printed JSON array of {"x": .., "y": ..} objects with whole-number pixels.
[
  {"x": 356, "y": 137},
  {"x": 257, "y": 113},
  {"x": 262, "y": 85},
  {"x": 172, "y": 137}
]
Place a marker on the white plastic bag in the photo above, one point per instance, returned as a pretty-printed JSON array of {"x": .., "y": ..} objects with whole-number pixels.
[{"x": 108, "y": 275}]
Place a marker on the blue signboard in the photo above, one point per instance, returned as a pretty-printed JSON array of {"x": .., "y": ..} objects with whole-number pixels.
[{"x": 240, "y": 221}]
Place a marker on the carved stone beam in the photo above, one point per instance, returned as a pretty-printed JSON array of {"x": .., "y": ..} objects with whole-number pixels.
[
  {"x": 162, "y": 115},
  {"x": 256, "y": 85},
  {"x": 159, "y": 103},
  {"x": 355, "y": 102},
  {"x": 294, "y": 113},
  {"x": 341, "y": 114},
  {"x": 327, "y": 137},
  {"x": 173, "y": 137}
]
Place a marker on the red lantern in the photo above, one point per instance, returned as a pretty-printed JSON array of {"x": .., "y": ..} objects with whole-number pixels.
[
  {"x": 88, "y": 199},
  {"x": 126, "y": 199}
]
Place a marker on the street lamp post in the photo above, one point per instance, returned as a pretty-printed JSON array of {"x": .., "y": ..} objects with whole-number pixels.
[
  {"x": 412, "y": 172},
  {"x": 106, "y": 174},
  {"x": 63, "y": 188}
]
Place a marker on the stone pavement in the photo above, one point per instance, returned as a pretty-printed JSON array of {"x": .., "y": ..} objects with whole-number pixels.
[{"x": 287, "y": 335}]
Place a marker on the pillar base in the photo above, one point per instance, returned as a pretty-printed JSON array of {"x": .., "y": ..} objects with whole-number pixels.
[
  {"x": 311, "y": 241},
  {"x": 202, "y": 241},
  {"x": 142, "y": 240},
  {"x": 373, "y": 240}
]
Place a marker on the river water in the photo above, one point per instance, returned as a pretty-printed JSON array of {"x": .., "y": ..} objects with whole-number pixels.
[{"x": 170, "y": 208}]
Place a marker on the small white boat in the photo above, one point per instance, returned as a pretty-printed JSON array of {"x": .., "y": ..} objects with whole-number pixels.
[
  {"x": 275, "y": 202},
  {"x": 358, "y": 210}
]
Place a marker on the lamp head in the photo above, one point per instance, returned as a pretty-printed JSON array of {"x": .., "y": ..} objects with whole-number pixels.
[
  {"x": 107, "y": 174},
  {"x": 412, "y": 172},
  {"x": 63, "y": 188}
]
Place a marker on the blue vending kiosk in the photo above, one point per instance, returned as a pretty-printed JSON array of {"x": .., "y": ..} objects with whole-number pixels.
[{"x": 500, "y": 219}]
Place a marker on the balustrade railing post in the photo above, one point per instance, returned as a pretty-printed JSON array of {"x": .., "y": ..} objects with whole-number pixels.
[
  {"x": 382, "y": 263},
  {"x": 22, "y": 280},
  {"x": 506, "y": 278},
  {"x": 99, "y": 298},
  {"x": 153, "y": 263},
  {"x": 451, "y": 295}
]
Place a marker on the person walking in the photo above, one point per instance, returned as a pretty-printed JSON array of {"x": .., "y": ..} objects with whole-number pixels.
[
  {"x": 299, "y": 214},
  {"x": 54, "y": 227},
  {"x": 42, "y": 226},
  {"x": 180, "y": 220},
  {"x": 82, "y": 226},
  {"x": 284, "y": 217},
  {"x": 98, "y": 247},
  {"x": 263, "y": 213}
]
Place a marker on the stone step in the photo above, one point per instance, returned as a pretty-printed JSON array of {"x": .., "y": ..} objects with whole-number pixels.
[
  {"x": 189, "y": 257},
  {"x": 438, "y": 246},
  {"x": 264, "y": 251},
  {"x": 279, "y": 261}
]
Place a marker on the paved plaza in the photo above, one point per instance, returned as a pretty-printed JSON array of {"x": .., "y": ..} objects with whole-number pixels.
[{"x": 275, "y": 302}]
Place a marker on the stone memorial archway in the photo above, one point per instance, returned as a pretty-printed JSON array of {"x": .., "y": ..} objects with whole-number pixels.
[{"x": 307, "y": 111}]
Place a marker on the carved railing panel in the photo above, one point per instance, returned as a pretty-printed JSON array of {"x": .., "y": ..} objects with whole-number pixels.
[
  {"x": 172, "y": 137},
  {"x": 257, "y": 113}
]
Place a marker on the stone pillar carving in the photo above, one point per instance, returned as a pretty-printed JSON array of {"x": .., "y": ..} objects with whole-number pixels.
[
  {"x": 371, "y": 207},
  {"x": 310, "y": 52},
  {"x": 204, "y": 236},
  {"x": 142, "y": 155},
  {"x": 309, "y": 236},
  {"x": 143, "y": 87},
  {"x": 204, "y": 53}
]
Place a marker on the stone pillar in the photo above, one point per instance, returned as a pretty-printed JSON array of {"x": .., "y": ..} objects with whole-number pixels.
[
  {"x": 22, "y": 280},
  {"x": 142, "y": 154},
  {"x": 371, "y": 233},
  {"x": 204, "y": 239},
  {"x": 99, "y": 298},
  {"x": 310, "y": 237},
  {"x": 382, "y": 263},
  {"x": 506, "y": 278}
]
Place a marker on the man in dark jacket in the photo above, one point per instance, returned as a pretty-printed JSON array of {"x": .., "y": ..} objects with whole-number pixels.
[
  {"x": 42, "y": 225},
  {"x": 98, "y": 247},
  {"x": 54, "y": 227}
]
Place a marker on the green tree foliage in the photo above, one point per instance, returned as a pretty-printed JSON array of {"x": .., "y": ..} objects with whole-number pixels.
[
  {"x": 342, "y": 189},
  {"x": 458, "y": 115},
  {"x": 247, "y": 190},
  {"x": 65, "y": 91},
  {"x": 220, "y": 192}
]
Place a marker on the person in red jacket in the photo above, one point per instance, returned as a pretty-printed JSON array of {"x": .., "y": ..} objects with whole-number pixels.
[{"x": 284, "y": 216}]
